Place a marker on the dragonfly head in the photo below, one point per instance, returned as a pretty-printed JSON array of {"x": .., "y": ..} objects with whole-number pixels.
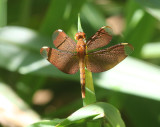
[{"x": 80, "y": 35}]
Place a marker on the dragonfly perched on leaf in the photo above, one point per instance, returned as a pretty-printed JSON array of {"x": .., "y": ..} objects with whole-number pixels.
[{"x": 70, "y": 56}]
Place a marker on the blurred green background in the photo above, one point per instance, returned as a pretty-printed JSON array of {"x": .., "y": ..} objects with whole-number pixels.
[{"x": 32, "y": 89}]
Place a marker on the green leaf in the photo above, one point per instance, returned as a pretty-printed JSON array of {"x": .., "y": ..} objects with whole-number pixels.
[
  {"x": 92, "y": 19},
  {"x": 3, "y": 13},
  {"x": 137, "y": 22},
  {"x": 151, "y": 50},
  {"x": 79, "y": 24},
  {"x": 89, "y": 89},
  {"x": 151, "y": 6},
  {"x": 132, "y": 76},
  {"x": 142, "y": 112},
  {"x": 64, "y": 19},
  {"x": 11, "y": 102},
  {"x": 46, "y": 123},
  {"x": 25, "y": 13},
  {"x": 20, "y": 51},
  {"x": 95, "y": 111}
]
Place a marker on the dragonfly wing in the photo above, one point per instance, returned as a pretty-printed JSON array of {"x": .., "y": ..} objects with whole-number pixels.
[
  {"x": 106, "y": 59},
  {"x": 65, "y": 61},
  {"x": 63, "y": 42},
  {"x": 101, "y": 38}
]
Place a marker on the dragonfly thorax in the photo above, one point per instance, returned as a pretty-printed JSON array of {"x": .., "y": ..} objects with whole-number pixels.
[
  {"x": 80, "y": 35},
  {"x": 81, "y": 48}
]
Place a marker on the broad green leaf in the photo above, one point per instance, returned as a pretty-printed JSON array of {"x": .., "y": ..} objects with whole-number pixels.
[
  {"x": 25, "y": 13},
  {"x": 132, "y": 76},
  {"x": 3, "y": 13},
  {"x": 91, "y": 19},
  {"x": 89, "y": 89},
  {"x": 46, "y": 123},
  {"x": 13, "y": 108},
  {"x": 151, "y": 50},
  {"x": 137, "y": 21},
  {"x": 95, "y": 111},
  {"x": 19, "y": 51},
  {"x": 142, "y": 112},
  {"x": 151, "y": 6},
  {"x": 64, "y": 19}
]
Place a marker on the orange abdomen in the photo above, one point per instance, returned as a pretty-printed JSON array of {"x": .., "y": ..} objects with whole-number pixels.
[{"x": 81, "y": 52}]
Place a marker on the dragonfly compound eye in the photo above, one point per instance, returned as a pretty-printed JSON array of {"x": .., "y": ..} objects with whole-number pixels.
[{"x": 80, "y": 35}]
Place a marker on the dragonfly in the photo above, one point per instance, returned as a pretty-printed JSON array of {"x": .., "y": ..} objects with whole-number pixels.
[{"x": 69, "y": 56}]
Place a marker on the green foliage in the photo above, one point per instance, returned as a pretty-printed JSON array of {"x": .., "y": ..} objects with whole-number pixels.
[
  {"x": 66, "y": 16},
  {"x": 89, "y": 89},
  {"x": 46, "y": 123},
  {"x": 3, "y": 12},
  {"x": 133, "y": 86},
  {"x": 95, "y": 111}
]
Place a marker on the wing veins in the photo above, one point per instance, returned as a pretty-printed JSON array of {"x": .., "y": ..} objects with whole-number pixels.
[
  {"x": 62, "y": 42},
  {"x": 71, "y": 60}
]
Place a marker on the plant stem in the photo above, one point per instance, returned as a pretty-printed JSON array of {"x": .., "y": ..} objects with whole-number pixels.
[{"x": 89, "y": 89}]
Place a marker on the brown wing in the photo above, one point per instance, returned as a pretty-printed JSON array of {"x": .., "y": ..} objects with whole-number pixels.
[
  {"x": 106, "y": 59},
  {"x": 63, "y": 42},
  {"x": 101, "y": 38},
  {"x": 65, "y": 61}
]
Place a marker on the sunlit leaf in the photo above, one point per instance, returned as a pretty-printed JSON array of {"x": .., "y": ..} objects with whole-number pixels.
[
  {"x": 19, "y": 49},
  {"x": 151, "y": 6},
  {"x": 95, "y": 111},
  {"x": 91, "y": 19},
  {"x": 133, "y": 76},
  {"x": 151, "y": 50},
  {"x": 137, "y": 21},
  {"x": 46, "y": 123},
  {"x": 19, "y": 111},
  {"x": 64, "y": 19},
  {"x": 3, "y": 13}
]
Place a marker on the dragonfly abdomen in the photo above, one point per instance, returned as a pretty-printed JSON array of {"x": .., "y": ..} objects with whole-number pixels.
[
  {"x": 81, "y": 52},
  {"x": 82, "y": 76}
]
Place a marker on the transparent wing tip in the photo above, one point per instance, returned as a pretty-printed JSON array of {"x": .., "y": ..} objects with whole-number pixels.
[
  {"x": 44, "y": 51},
  {"x": 108, "y": 29},
  {"x": 56, "y": 33},
  {"x": 128, "y": 48}
]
